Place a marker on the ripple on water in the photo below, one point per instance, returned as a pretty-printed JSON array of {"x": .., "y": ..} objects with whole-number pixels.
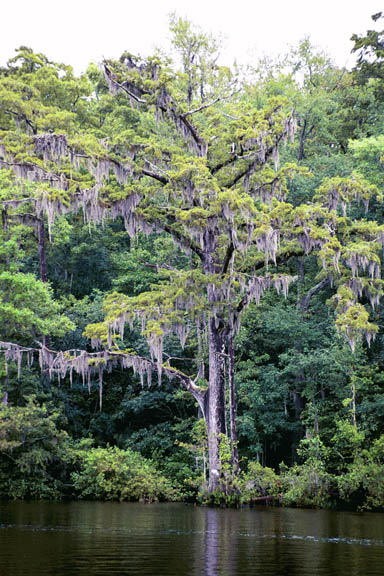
[{"x": 66, "y": 539}]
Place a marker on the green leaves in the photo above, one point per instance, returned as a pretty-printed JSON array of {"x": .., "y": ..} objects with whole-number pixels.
[
  {"x": 340, "y": 192},
  {"x": 113, "y": 474},
  {"x": 217, "y": 211},
  {"x": 27, "y": 309},
  {"x": 31, "y": 445}
]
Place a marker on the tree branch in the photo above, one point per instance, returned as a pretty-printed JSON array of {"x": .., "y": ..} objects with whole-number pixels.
[
  {"x": 158, "y": 266},
  {"x": 155, "y": 176},
  {"x": 164, "y": 103},
  {"x": 110, "y": 78},
  {"x": 280, "y": 260},
  {"x": 230, "y": 161},
  {"x": 23, "y": 117},
  {"x": 250, "y": 168},
  {"x": 184, "y": 240},
  {"x": 204, "y": 106},
  {"x": 306, "y": 299},
  {"x": 228, "y": 257},
  {"x": 26, "y": 218},
  {"x": 60, "y": 362}
]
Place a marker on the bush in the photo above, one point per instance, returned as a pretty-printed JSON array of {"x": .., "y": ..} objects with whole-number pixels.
[
  {"x": 31, "y": 451},
  {"x": 309, "y": 484},
  {"x": 114, "y": 474},
  {"x": 259, "y": 482},
  {"x": 364, "y": 479}
]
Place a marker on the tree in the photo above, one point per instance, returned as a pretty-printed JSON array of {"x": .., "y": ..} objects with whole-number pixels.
[
  {"x": 209, "y": 177},
  {"x": 370, "y": 53},
  {"x": 32, "y": 448},
  {"x": 198, "y": 53}
]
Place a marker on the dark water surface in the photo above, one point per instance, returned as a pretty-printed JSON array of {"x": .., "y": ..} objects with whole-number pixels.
[{"x": 91, "y": 538}]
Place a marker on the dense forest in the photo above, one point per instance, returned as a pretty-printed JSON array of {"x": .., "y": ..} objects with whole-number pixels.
[{"x": 190, "y": 277}]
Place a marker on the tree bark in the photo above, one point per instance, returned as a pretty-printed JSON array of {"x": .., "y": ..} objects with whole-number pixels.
[
  {"x": 304, "y": 133},
  {"x": 232, "y": 401},
  {"x": 214, "y": 412},
  {"x": 215, "y": 404}
]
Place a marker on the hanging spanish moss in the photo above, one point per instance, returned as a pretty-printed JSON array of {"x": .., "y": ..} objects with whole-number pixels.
[
  {"x": 371, "y": 288},
  {"x": 268, "y": 243},
  {"x": 87, "y": 365},
  {"x": 290, "y": 128},
  {"x": 181, "y": 331},
  {"x": 93, "y": 365},
  {"x": 269, "y": 190},
  {"x": 342, "y": 191},
  {"x": 33, "y": 173},
  {"x": 164, "y": 105},
  {"x": 275, "y": 156},
  {"x": 51, "y": 147},
  {"x": 99, "y": 168},
  {"x": 255, "y": 286},
  {"x": 356, "y": 260}
]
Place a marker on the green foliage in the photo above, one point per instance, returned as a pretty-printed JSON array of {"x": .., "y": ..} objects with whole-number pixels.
[
  {"x": 259, "y": 482},
  {"x": 114, "y": 474},
  {"x": 28, "y": 310},
  {"x": 32, "y": 449},
  {"x": 308, "y": 484},
  {"x": 295, "y": 377},
  {"x": 362, "y": 482},
  {"x": 370, "y": 52},
  {"x": 369, "y": 155}
]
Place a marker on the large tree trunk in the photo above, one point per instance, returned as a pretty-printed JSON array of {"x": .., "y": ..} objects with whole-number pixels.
[
  {"x": 215, "y": 404},
  {"x": 214, "y": 412}
]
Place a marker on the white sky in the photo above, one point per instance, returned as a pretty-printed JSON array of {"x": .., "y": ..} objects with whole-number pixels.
[{"x": 77, "y": 32}]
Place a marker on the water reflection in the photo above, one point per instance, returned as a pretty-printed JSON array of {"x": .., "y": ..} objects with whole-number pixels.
[
  {"x": 66, "y": 539},
  {"x": 220, "y": 542}
]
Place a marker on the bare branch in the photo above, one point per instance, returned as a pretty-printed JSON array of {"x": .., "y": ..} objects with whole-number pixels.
[
  {"x": 228, "y": 257},
  {"x": 204, "y": 106},
  {"x": 200, "y": 108},
  {"x": 306, "y": 299},
  {"x": 111, "y": 79},
  {"x": 230, "y": 116},
  {"x": 155, "y": 176},
  {"x": 159, "y": 266}
]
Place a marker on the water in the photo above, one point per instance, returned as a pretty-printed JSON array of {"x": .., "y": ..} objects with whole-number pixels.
[{"x": 102, "y": 539}]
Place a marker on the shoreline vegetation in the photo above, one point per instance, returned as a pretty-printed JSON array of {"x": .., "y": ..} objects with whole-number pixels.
[
  {"x": 48, "y": 464},
  {"x": 191, "y": 291}
]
